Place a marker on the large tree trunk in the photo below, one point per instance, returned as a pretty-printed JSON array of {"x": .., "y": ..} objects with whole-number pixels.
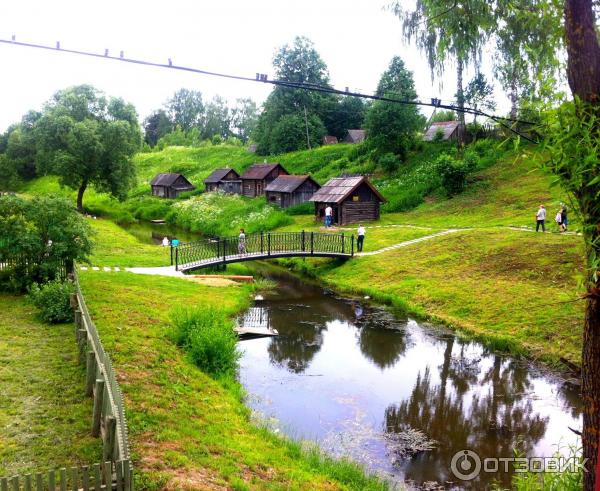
[
  {"x": 460, "y": 99},
  {"x": 80, "y": 192},
  {"x": 583, "y": 70}
]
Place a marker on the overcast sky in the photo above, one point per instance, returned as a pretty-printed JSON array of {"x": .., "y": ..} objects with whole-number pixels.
[{"x": 356, "y": 38}]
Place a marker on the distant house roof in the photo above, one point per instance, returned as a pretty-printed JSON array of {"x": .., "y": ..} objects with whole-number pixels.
[
  {"x": 338, "y": 189},
  {"x": 259, "y": 171},
  {"x": 356, "y": 136},
  {"x": 218, "y": 174},
  {"x": 330, "y": 140},
  {"x": 167, "y": 179},
  {"x": 287, "y": 184},
  {"x": 447, "y": 127}
]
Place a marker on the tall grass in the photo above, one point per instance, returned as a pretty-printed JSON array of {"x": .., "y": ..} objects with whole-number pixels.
[{"x": 208, "y": 337}]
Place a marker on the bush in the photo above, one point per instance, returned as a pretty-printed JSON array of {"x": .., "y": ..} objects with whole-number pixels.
[
  {"x": 453, "y": 173},
  {"x": 208, "y": 337},
  {"x": 389, "y": 163},
  {"x": 52, "y": 299},
  {"x": 307, "y": 208}
]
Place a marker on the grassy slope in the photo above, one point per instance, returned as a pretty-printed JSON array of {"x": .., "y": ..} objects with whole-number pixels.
[
  {"x": 44, "y": 414},
  {"x": 187, "y": 431}
]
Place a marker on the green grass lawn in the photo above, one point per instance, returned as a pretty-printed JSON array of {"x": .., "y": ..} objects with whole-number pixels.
[
  {"x": 45, "y": 417},
  {"x": 186, "y": 430},
  {"x": 515, "y": 290}
]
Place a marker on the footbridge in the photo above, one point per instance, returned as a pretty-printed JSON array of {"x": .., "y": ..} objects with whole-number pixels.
[{"x": 224, "y": 250}]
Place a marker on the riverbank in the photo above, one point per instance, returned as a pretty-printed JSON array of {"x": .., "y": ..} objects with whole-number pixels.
[
  {"x": 186, "y": 429},
  {"x": 45, "y": 416}
]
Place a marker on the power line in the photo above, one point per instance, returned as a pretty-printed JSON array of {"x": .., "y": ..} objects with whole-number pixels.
[{"x": 262, "y": 78}]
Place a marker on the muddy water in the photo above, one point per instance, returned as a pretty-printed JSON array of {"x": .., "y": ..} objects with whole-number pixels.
[{"x": 375, "y": 388}]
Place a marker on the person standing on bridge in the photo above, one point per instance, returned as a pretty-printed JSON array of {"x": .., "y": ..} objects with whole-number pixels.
[
  {"x": 328, "y": 216},
  {"x": 540, "y": 219},
  {"x": 361, "y": 238},
  {"x": 242, "y": 242}
]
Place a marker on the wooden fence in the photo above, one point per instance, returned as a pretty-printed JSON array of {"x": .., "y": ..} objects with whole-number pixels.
[{"x": 108, "y": 420}]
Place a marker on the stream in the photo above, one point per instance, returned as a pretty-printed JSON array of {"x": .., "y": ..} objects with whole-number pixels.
[{"x": 398, "y": 396}]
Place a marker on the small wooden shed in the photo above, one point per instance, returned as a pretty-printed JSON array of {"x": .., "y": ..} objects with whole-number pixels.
[
  {"x": 170, "y": 185},
  {"x": 257, "y": 176},
  {"x": 227, "y": 180},
  {"x": 287, "y": 191},
  {"x": 353, "y": 200},
  {"x": 448, "y": 130},
  {"x": 355, "y": 136}
]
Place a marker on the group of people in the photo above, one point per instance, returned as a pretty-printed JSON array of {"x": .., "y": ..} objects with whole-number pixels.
[{"x": 561, "y": 218}]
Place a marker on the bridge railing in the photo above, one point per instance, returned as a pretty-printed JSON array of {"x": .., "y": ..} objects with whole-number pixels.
[{"x": 263, "y": 245}]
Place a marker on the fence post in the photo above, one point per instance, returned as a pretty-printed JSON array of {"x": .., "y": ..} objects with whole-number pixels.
[
  {"x": 343, "y": 242},
  {"x": 312, "y": 243},
  {"x": 51, "y": 481},
  {"x": 109, "y": 442},
  {"x": 303, "y": 241},
  {"x": 262, "y": 242},
  {"x": 98, "y": 403},
  {"x": 90, "y": 373},
  {"x": 78, "y": 322},
  {"x": 177, "y": 259},
  {"x": 352, "y": 246},
  {"x": 73, "y": 300},
  {"x": 171, "y": 246},
  {"x": 268, "y": 243}
]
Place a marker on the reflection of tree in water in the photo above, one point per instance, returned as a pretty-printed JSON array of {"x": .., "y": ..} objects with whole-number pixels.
[
  {"x": 491, "y": 422},
  {"x": 297, "y": 344},
  {"x": 382, "y": 338}
]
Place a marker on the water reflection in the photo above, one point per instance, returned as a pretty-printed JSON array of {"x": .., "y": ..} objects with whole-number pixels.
[{"x": 355, "y": 378}]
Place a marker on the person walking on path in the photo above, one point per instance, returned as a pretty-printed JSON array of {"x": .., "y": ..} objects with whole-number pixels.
[
  {"x": 540, "y": 219},
  {"x": 242, "y": 242},
  {"x": 564, "y": 220},
  {"x": 165, "y": 242},
  {"x": 328, "y": 216},
  {"x": 558, "y": 220},
  {"x": 361, "y": 238}
]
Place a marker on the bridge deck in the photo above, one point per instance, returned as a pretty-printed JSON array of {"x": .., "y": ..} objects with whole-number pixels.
[
  {"x": 254, "y": 256},
  {"x": 225, "y": 250}
]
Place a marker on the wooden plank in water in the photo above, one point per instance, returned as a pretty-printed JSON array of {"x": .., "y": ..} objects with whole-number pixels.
[{"x": 246, "y": 332}]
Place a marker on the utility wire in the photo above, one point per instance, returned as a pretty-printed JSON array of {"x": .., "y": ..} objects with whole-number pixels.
[{"x": 262, "y": 78}]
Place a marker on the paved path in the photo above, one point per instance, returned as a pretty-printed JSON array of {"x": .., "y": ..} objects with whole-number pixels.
[{"x": 408, "y": 242}]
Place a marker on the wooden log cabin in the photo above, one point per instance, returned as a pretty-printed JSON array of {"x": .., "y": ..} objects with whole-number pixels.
[
  {"x": 170, "y": 185},
  {"x": 287, "y": 191},
  {"x": 226, "y": 180},
  {"x": 353, "y": 200},
  {"x": 256, "y": 178}
]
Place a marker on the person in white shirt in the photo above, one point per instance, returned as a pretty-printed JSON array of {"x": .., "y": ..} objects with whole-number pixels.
[
  {"x": 242, "y": 242},
  {"x": 328, "y": 216},
  {"x": 165, "y": 242},
  {"x": 361, "y": 238},
  {"x": 540, "y": 219}
]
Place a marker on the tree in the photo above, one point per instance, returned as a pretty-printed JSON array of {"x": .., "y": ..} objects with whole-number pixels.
[
  {"x": 297, "y": 62},
  {"x": 348, "y": 113},
  {"x": 186, "y": 109},
  {"x": 443, "y": 32},
  {"x": 479, "y": 94},
  {"x": 45, "y": 231},
  {"x": 244, "y": 116},
  {"x": 156, "y": 126},
  {"x": 86, "y": 139},
  {"x": 440, "y": 116},
  {"x": 290, "y": 133},
  {"x": 391, "y": 127},
  {"x": 216, "y": 119}
]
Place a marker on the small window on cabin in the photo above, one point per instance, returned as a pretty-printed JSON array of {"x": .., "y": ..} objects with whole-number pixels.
[
  {"x": 272, "y": 198},
  {"x": 355, "y": 198}
]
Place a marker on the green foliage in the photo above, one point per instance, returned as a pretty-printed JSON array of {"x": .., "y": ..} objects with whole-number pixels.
[
  {"x": 391, "y": 127},
  {"x": 439, "y": 135},
  {"x": 479, "y": 94},
  {"x": 185, "y": 109},
  {"x": 87, "y": 139},
  {"x": 289, "y": 133},
  {"x": 45, "y": 232},
  {"x": 389, "y": 163},
  {"x": 454, "y": 173},
  {"x": 207, "y": 335},
  {"x": 301, "y": 209},
  {"x": 224, "y": 214},
  {"x": 441, "y": 116},
  {"x": 156, "y": 126},
  {"x": 53, "y": 300}
]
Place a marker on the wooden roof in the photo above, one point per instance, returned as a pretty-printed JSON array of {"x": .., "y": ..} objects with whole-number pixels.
[
  {"x": 447, "y": 128},
  {"x": 288, "y": 184},
  {"x": 167, "y": 179},
  {"x": 338, "y": 189},
  {"x": 260, "y": 171},
  {"x": 219, "y": 174},
  {"x": 356, "y": 136}
]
